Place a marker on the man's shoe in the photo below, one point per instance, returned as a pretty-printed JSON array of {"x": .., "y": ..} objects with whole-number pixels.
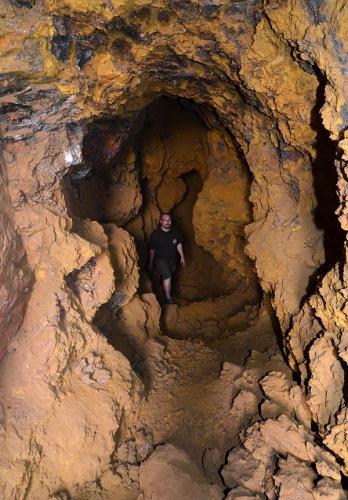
[{"x": 170, "y": 300}]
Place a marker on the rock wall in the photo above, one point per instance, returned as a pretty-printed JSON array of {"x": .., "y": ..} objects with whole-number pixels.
[
  {"x": 61, "y": 381},
  {"x": 64, "y": 63},
  {"x": 16, "y": 277}
]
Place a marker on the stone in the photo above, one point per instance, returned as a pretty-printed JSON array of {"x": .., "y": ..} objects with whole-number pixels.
[
  {"x": 212, "y": 460},
  {"x": 240, "y": 493},
  {"x": 182, "y": 477},
  {"x": 222, "y": 208},
  {"x": 110, "y": 113},
  {"x": 294, "y": 479},
  {"x": 93, "y": 284},
  {"x": 170, "y": 194},
  {"x": 124, "y": 260},
  {"x": 243, "y": 469}
]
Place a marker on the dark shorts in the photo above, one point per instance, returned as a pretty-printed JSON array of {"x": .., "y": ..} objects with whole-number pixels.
[{"x": 165, "y": 268}]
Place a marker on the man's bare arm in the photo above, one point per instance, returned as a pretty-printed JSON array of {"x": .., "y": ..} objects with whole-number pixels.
[{"x": 181, "y": 253}]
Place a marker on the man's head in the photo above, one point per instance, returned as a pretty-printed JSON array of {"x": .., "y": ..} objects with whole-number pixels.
[{"x": 165, "y": 222}]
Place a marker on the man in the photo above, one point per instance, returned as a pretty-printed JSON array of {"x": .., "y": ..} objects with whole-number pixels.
[{"x": 164, "y": 245}]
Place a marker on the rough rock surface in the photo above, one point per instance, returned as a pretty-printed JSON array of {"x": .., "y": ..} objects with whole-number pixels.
[
  {"x": 182, "y": 477},
  {"x": 16, "y": 276},
  {"x": 65, "y": 390},
  {"x": 222, "y": 209},
  {"x": 266, "y": 86}
]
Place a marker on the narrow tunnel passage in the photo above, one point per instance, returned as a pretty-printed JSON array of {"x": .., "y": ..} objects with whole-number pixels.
[
  {"x": 233, "y": 117},
  {"x": 220, "y": 333},
  {"x": 173, "y": 162},
  {"x": 203, "y": 277}
]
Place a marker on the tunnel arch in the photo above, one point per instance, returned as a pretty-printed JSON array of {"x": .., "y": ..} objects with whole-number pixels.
[
  {"x": 174, "y": 159},
  {"x": 283, "y": 197},
  {"x": 295, "y": 187},
  {"x": 255, "y": 66}
]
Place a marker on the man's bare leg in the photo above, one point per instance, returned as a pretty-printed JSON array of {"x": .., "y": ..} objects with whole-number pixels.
[{"x": 167, "y": 286}]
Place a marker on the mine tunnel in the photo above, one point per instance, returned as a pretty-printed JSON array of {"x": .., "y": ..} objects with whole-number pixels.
[
  {"x": 176, "y": 158},
  {"x": 232, "y": 118}
]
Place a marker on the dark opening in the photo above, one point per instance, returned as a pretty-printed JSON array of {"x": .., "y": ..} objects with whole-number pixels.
[
  {"x": 171, "y": 157},
  {"x": 325, "y": 185}
]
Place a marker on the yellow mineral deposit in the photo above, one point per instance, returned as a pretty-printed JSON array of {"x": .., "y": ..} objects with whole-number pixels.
[{"x": 232, "y": 117}]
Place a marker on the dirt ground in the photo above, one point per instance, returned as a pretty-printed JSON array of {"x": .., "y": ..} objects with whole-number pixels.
[{"x": 201, "y": 394}]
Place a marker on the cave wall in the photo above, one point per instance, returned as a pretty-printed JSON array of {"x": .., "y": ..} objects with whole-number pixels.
[
  {"x": 255, "y": 67},
  {"x": 223, "y": 208},
  {"x": 176, "y": 141},
  {"x": 105, "y": 185},
  {"x": 16, "y": 277},
  {"x": 61, "y": 381}
]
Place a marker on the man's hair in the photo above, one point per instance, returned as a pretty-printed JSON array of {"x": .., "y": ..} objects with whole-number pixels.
[{"x": 165, "y": 213}]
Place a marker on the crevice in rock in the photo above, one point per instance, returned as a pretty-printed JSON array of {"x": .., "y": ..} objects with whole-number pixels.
[{"x": 325, "y": 179}]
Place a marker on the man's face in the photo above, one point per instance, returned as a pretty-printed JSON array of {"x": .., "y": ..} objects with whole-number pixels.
[{"x": 166, "y": 222}]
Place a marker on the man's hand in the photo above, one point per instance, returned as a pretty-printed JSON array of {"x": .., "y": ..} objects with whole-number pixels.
[{"x": 181, "y": 253}]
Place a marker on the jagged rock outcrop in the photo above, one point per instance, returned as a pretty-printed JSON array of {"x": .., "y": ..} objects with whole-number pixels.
[
  {"x": 274, "y": 77},
  {"x": 16, "y": 276},
  {"x": 182, "y": 477},
  {"x": 65, "y": 390}
]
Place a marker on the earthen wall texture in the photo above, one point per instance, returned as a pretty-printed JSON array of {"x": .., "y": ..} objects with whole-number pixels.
[
  {"x": 65, "y": 62},
  {"x": 16, "y": 277}
]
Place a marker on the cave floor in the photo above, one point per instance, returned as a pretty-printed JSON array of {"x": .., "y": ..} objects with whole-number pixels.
[{"x": 201, "y": 394}]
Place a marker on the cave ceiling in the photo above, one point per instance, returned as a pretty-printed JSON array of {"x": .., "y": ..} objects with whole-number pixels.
[{"x": 268, "y": 82}]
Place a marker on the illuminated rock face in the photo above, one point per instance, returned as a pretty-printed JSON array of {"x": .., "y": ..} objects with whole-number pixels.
[
  {"x": 16, "y": 279},
  {"x": 270, "y": 107}
]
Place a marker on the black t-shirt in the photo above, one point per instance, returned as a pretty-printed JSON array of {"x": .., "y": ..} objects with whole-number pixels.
[{"x": 164, "y": 243}]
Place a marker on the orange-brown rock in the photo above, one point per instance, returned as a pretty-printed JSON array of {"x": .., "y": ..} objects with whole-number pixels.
[
  {"x": 16, "y": 276},
  {"x": 222, "y": 209},
  {"x": 111, "y": 112},
  {"x": 182, "y": 477}
]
